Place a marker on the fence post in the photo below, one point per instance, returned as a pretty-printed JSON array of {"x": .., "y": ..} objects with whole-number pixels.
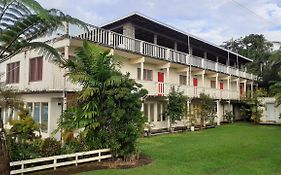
[
  {"x": 76, "y": 160},
  {"x": 99, "y": 156},
  {"x": 22, "y": 168},
  {"x": 55, "y": 164}
]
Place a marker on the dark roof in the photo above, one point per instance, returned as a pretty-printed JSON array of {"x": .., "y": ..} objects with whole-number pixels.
[{"x": 165, "y": 29}]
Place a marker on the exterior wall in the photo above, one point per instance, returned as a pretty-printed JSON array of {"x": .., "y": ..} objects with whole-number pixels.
[
  {"x": 52, "y": 75},
  {"x": 54, "y": 101}
]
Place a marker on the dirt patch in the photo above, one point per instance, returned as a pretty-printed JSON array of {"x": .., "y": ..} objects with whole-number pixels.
[{"x": 106, "y": 164}]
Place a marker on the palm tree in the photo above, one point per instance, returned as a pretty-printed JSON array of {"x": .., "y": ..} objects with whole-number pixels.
[{"x": 21, "y": 22}]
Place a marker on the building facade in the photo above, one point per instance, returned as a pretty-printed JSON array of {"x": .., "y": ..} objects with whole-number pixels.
[{"x": 156, "y": 55}]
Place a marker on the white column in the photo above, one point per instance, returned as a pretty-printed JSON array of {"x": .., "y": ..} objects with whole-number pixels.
[
  {"x": 238, "y": 85},
  {"x": 252, "y": 89},
  {"x": 142, "y": 67},
  {"x": 217, "y": 85},
  {"x": 161, "y": 109},
  {"x": 228, "y": 86},
  {"x": 148, "y": 112},
  {"x": 155, "y": 112},
  {"x": 167, "y": 81},
  {"x": 203, "y": 80},
  {"x": 245, "y": 88},
  {"x": 187, "y": 81},
  {"x": 168, "y": 75},
  {"x": 218, "y": 112}
]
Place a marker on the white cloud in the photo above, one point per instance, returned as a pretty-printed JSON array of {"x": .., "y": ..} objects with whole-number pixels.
[{"x": 212, "y": 20}]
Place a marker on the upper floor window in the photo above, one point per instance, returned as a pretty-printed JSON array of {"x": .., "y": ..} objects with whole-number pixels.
[
  {"x": 147, "y": 74},
  {"x": 182, "y": 79},
  {"x": 13, "y": 72},
  {"x": 213, "y": 84},
  {"x": 35, "y": 69}
]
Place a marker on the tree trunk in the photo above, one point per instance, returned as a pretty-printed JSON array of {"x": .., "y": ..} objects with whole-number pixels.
[{"x": 4, "y": 154}]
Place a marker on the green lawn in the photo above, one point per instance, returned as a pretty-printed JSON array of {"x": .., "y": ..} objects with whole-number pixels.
[{"x": 230, "y": 149}]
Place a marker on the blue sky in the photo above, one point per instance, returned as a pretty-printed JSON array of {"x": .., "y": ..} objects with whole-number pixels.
[{"x": 212, "y": 20}]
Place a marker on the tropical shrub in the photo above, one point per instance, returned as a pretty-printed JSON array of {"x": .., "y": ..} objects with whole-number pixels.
[
  {"x": 23, "y": 151},
  {"x": 108, "y": 108},
  {"x": 205, "y": 109},
  {"x": 229, "y": 117},
  {"x": 50, "y": 147},
  {"x": 24, "y": 129},
  {"x": 176, "y": 108}
]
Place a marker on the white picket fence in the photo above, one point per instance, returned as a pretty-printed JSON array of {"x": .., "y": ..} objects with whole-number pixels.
[{"x": 24, "y": 166}]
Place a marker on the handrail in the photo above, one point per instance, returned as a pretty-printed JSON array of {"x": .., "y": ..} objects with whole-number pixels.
[{"x": 120, "y": 41}]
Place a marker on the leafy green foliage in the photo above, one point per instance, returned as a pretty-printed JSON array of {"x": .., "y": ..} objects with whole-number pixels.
[
  {"x": 229, "y": 116},
  {"x": 266, "y": 62},
  {"x": 24, "y": 129},
  {"x": 176, "y": 107},
  {"x": 204, "y": 109},
  {"x": 22, "y": 21},
  {"x": 23, "y": 151},
  {"x": 50, "y": 147},
  {"x": 255, "y": 105},
  {"x": 108, "y": 107}
]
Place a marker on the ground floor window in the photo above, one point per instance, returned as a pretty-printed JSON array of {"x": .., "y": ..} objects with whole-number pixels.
[{"x": 40, "y": 113}]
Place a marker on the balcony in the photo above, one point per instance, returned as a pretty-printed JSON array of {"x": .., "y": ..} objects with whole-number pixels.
[
  {"x": 162, "y": 89},
  {"x": 122, "y": 42}
]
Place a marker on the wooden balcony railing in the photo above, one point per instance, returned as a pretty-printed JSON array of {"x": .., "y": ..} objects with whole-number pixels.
[{"x": 116, "y": 40}]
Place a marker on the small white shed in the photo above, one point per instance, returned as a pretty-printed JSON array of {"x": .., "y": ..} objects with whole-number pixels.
[{"x": 271, "y": 111}]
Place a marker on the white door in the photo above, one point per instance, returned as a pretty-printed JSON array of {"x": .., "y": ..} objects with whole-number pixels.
[{"x": 270, "y": 107}]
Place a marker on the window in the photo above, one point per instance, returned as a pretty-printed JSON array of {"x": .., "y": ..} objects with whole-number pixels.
[
  {"x": 147, "y": 74},
  {"x": 213, "y": 84},
  {"x": 35, "y": 69},
  {"x": 44, "y": 116},
  {"x": 183, "y": 79},
  {"x": 39, "y": 112},
  {"x": 13, "y": 72}
]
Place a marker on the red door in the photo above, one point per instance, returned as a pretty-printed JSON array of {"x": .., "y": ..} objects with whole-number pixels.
[
  {"x": 195, "y": 84},
  {"x": 221, "y": 85},
  {"x": 221, "y": 88},
  {"x": 241, "y": 90},
  {"x": 160, "y": 83}
]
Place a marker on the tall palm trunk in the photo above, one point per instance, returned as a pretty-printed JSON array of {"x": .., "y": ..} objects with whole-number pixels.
[{"x": 4, "y": 154}]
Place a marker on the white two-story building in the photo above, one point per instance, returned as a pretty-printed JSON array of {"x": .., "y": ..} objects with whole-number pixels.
[{"x": 155, "y": 54}]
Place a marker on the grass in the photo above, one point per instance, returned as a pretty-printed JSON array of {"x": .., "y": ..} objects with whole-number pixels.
[{"x": 240, "y": 148}]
